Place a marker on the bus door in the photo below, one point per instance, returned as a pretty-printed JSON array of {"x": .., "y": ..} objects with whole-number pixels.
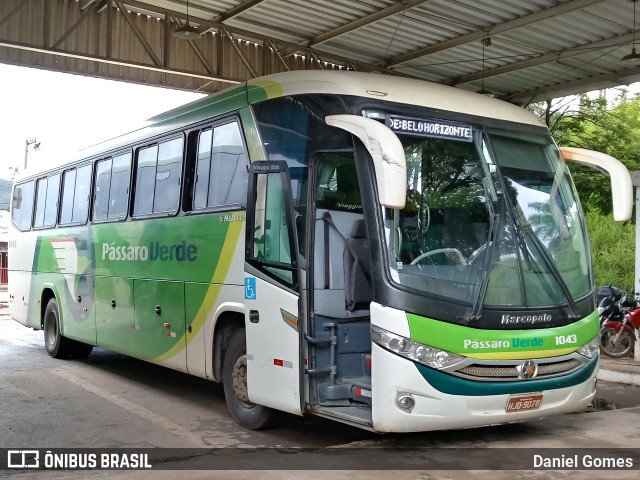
[{"x": 272, "y": 291}]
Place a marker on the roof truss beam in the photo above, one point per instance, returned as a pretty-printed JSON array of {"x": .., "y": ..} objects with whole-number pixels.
[
  {"x": 234, "y": 44},
  {"x": 496, "y": 29},
  {"x": 12, "y": 12},
  {"x": 329, "y": 57},
  {"x": 88, "y": 11},
  {"x": 196, "y": 49},
  {"x": 544, "y": 58},
  {"x": 231, "y": 13},
  {"x": 145, "y": 44},
  {"x": 362, "y": 22},
  {"x": 560, "y": 89},
  {"x": 91, "y": 58}
]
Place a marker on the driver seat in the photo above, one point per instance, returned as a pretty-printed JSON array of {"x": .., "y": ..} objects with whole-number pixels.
[{"x": 357, "y": 269}]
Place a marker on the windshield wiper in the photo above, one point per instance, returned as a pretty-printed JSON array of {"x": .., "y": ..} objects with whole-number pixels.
[
  {"x": 527, "y": 229},
  {"x": 478, "y": 304},
  {"x": 491, "y": 196}
]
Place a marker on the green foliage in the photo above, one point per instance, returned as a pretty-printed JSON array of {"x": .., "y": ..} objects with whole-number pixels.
[
  {"x": 5, "y": 194},
  {"x": 612, "y": 127},
  {"x": 612, "y": 250}
]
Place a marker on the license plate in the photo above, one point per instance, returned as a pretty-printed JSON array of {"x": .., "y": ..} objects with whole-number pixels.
[{"x": 523, "y": 401}]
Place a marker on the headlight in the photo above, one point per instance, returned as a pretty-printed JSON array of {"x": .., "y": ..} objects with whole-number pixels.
[
  {"x": 417, "y": 352},
  {"x": 591, "y": 348},
  {"x": 601, "y": 309}
]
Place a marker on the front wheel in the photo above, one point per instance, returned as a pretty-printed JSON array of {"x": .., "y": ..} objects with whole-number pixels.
[
  {"x": 234, "y": 378},
  {"x": 614, "y": 345}
]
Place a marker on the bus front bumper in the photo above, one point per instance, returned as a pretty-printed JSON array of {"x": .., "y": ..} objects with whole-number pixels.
[{"x": 441, "y": 401}]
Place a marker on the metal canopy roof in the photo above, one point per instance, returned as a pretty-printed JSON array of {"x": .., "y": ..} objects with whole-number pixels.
[{"x": 533, "y": 49}]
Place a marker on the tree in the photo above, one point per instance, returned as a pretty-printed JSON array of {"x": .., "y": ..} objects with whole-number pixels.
[{"x": 612, "y": 127}]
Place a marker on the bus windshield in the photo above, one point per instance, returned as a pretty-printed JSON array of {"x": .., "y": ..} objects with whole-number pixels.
[{"x": 491, "y": 217}]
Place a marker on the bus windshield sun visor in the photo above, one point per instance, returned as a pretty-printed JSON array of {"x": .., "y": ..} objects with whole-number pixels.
[{"x": 387, "y": 153}]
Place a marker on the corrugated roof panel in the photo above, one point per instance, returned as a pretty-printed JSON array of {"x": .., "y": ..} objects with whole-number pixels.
[{"x": 376, "y": 32}]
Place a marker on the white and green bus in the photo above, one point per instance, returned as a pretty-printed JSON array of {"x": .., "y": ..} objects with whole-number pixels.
[{"x": 385, "y": 252}]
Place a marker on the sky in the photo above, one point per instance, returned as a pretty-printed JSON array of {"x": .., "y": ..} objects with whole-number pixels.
[{"x": 66, "y": 113}]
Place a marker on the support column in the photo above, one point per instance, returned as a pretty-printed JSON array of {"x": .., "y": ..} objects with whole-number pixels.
[{"x": 635, "y": 178}]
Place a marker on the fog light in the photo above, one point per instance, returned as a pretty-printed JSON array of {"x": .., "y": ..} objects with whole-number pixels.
[{"x": 405, "y": 401}]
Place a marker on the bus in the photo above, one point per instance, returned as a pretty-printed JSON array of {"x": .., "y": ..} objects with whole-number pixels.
[{"x": 386, "y": 252}]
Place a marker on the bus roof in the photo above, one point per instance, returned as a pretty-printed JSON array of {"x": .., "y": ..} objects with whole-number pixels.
[
  {"x": 367, "y": 85},
  {"x": 393, "y": 89}
]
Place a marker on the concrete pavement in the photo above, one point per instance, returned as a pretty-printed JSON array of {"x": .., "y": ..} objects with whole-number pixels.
[{"x": 619, "y": 370}]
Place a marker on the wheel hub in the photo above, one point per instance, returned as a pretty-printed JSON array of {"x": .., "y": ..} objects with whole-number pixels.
[
  {"x": 239, "y": 377},
  {"x": 51, "y": 331}
]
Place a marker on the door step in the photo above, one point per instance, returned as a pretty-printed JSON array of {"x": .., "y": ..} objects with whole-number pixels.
[
  {"x": 363, "y": 382},
  {"x": 356, "y": 416}
]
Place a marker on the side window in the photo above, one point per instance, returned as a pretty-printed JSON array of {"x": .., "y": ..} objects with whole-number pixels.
[
  {"x": 337, "y": 183},
  {"x": 51, "y": 208},
  {"x": 76, "y": 185},
  {"x": 221, "y": 171},
  {"x": 41, "y": 200},
  {"x": 168, "y": 176},
  {"x": 22, "y": 205},
  {"x": 68, "y": 189},
  {"x": 47, "y": 202},
  {"x": 81, "y": 196},
  {"x": 101, "y": 190},
  {"x": 119, "y": 192},
  {"x": 111, "y": 196},
  {"x": 158, "y": 178},
  {"x": 271, "y": 223},
  {"x": 145, "y": 180},
  {"x": 201, "y": 192}
]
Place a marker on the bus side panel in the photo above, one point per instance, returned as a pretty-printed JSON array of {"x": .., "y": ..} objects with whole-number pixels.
[
  {"x": 22, "y": 253},
  {"x": 65, "y": 265},
  {"x": 19, "y": 295},
  {"x": 206, "y": 304},
  {"x": 160, "y": 322},
  {"x": 115, "y": 321},
  {"x": 77, "y": 314},
  {"x": 194, "y": 294}
]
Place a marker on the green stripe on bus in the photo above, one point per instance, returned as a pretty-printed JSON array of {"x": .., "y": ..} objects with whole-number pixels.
[
  {"x": 451, "y": 385},
  {"x": 503, "y": 344},
  {"x": 264, "y": 90}
]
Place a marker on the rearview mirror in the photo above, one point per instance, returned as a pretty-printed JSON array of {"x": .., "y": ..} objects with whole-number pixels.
[
  {"x": 387, "y": 153},
  {"x": 621, "y": 186}
]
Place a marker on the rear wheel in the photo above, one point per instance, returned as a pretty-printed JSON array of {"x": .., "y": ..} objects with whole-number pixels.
[
  {"x": 614, "y": 345},
  {"x": 82, "y": 350},
  {"x": 234, "y": 377},
  {"x": 57, "y": 346}
]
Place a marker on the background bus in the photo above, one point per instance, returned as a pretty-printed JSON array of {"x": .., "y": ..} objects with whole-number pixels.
[{"x": 385, "y": 252}]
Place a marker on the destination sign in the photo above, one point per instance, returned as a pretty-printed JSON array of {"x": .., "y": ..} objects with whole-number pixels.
[{"x": 429, "y": 127}]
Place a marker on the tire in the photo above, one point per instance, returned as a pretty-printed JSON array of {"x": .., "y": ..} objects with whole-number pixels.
[
  {"x": 57, "y": 346},
  {"x": 234, "y": 379},
  {"x": 82, "y": 350},
  {"x": 622, "y": 348}
]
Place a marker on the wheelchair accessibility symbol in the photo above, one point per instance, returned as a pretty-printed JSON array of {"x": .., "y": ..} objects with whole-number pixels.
[{"x": 249, "y": 288}]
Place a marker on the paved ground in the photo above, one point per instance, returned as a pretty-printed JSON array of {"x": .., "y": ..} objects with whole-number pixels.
[{"x": 109, "y": 400}]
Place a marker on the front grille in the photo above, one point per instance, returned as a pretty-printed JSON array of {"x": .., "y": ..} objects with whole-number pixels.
[{"x": 509, "y": 372}]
